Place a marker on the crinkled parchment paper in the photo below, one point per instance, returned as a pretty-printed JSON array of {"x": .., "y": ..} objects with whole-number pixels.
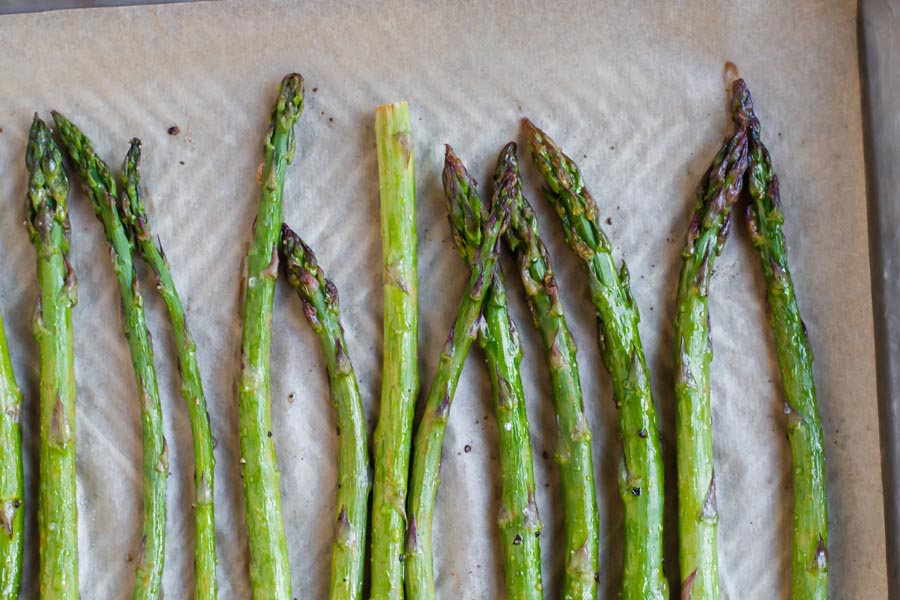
[{"x": 634, "y": 93}]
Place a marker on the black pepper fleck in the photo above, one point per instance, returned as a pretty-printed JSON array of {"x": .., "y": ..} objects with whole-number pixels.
[
  {"x": 173, "y": 130},
  {"x": 642, "y": 433},
  {"x": 467, "y": 449},
  {"x": 517, "y": 540},
  {"x": 635, "y": 491}
]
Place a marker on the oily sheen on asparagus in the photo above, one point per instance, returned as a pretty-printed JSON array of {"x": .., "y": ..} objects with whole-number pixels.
[
  {"x": 137, "y": 226},
  {"x": 322, "y": 309},
  {"x": 101, "y": 189},
  {"x": 428, "y": 444},
  {"x": 641, "y": 472},
  {"x": 698, "y": 514},
  {"x": 12, "y": 483},
  {"x": 520, "y": 525},
  {"x": 48, "y": 227},
  {"x": 765, "y": 217},
  {"x": 270, "y": 572}
]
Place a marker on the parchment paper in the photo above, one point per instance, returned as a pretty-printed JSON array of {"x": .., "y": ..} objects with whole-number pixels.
[{"x": 634, "y": 93}]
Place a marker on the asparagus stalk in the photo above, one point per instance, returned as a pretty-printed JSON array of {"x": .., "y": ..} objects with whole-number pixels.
[
  {"x": 641, "y": 472},
  {"x": 101, "y": 188},
  {"x": 765, "y": 217},
  {"x": 270, "y": 574},
  {"x": 519, "y": 522},
  {"x": 400, "y": 376},
  {"x": 12, "y": 486},
  {"x": 466, "y": 215},
  {"x": 48, "y": 227},
  {"x": 697, "y": 512},
  {"x": 575, "y": 465},
  {"x": 321, "y": 307},
  {"x": 137, "y": 226}
]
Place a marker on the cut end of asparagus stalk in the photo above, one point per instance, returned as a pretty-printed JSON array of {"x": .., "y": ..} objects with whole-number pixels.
[{"x": 399, "y": 107}]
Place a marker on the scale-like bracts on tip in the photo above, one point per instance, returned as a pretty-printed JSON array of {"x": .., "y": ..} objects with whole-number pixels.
[
  {"x": 321, "y": 307},
  {"x": 698, "y": 515}
]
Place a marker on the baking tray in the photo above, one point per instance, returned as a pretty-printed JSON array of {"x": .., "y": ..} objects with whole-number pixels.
[
  {"x": 875, "y": 28},
  {"x": 25, "y": 6},
  {"x": 879, "y": 29}
]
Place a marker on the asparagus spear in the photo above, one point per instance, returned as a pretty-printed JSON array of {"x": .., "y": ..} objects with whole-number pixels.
[
  {"x": 641, "y": 472},
  {"x": 48, "y": 227},
  {"x": 321, "y": 307},
  {"x": 519, "y": 522},
  {"x": 810, "y": 532},
  {"x": 466, "y": 215},
  {"x": 101, "y": 188},
  {"x": 137, "y": 226},
  {"x": 575, "y": 466},
  {"x": 12, "y": 492},
  {"x": 400, "y": 375},
  {"x": 697, "y": 513},
  {"x": 270, "y": 574}
]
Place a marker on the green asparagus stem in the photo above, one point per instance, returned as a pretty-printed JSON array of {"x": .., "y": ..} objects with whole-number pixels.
[
  {"x": 321, "y": 307},
  {"x": 697, "y": 512},
  {"x": 467, "y": 215},
  {"x": 137, "y": 226},
  {"x": 519, "y": 521},
  {"x": 574, "y": 455},
  {"x": 765, "y": 217},
  {"x": 101, "y": 188},
  {"x": 12, "y": 486},
  {"x": 270, "y": 574},
  {"x": 47, "y": 221},
  {"x": 641, "y": 472},
  {"x": 400, "y": 376}
]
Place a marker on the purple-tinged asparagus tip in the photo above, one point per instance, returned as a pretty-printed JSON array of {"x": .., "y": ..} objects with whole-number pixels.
[{"x": 741, "y": 104}]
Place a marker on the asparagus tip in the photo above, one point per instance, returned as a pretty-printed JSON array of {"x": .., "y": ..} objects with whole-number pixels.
[
  {"x": 292, "y": 87},
  {"x": 741, "y": 104}
]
